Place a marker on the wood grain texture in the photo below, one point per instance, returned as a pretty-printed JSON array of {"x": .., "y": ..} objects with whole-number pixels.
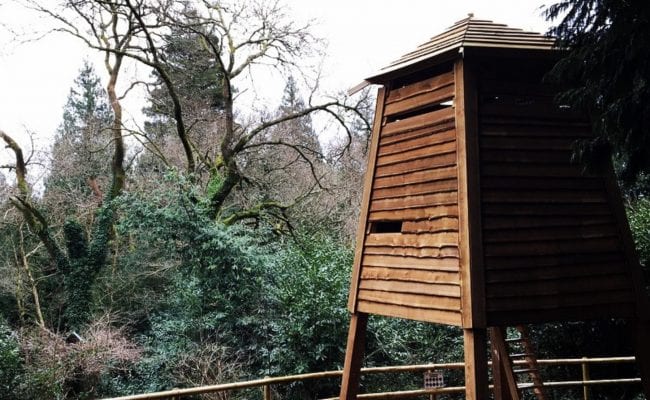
[
  {"x": 413, "y": 263},
  {"x": 476, "y": 365},
  {"x": 428, "y": 119},
  {"x": 410, "y": 253},
  {"x": 469, "y": 203},
  {"x": 410, "y": 275},
  {"x": 410, "y": 312},
  {"x": 421, "y": 100},
  {"x": 411, "y": 300},
  {"x": 436, "y": 186},
  {"x": 551, "y": 240},
  {"x": 354, "y": 356},
  {"x": 414, "y": 273},
  {"x": 426, "y": 175},
  {"x": 365, "y": 200},
  {"x": 418, "y": 88},
  {"x": 415, "y": 214},
  {"x": 411, "y": 287},
  {"x": 425, "y": 138}
]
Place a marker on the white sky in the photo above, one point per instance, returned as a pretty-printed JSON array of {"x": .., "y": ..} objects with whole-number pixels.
[{"x": 362, "y": 36}]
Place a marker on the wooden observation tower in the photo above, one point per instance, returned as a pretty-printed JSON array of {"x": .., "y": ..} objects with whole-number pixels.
[{"x": 473, "y": 213}]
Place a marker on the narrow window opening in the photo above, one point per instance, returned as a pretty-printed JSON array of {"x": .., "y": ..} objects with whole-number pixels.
[
  {"x": 386, "y": 227},
  {"x": 414, "y": 112}
]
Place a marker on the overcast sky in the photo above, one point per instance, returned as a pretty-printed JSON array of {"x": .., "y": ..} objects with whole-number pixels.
[{"x": 362, "y": 37}]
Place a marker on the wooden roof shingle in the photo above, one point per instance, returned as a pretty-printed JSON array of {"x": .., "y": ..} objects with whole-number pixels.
[{"x": 468, "y": 32}]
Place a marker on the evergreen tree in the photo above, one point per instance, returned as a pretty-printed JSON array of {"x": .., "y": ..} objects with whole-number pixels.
[
  {"x": 81, "y": 150},
  {"x": 607, "y": 71}
]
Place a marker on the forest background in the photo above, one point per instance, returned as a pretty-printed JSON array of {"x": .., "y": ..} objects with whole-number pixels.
[{"x": 209, "y": 245}]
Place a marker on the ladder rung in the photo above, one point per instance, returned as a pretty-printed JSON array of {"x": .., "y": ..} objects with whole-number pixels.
[
  {"x": 521, "y": 371},
  {"x": 521, "y": 355}
]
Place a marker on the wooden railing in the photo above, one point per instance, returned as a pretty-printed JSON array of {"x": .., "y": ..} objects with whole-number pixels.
[{"x": 266, "y": 383}]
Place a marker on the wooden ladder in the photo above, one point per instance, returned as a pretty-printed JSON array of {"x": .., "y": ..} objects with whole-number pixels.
[{"x": 513, "y": 358}]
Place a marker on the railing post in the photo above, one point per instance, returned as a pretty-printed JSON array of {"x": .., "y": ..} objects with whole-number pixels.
[
  {"x": 267, "y": 390},
  {"x": 585, "y": 378}
]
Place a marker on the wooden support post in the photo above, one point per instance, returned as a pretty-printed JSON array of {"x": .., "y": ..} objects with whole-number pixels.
[
  {"x": 585, "y": 378},
  {"x": 505, "y": 384},
  {"x": 266, "y": 391},
  {"x": 642, "y": 332},
  {"x": 476, "y": 366},
  {"x": 354, "y": 356}
]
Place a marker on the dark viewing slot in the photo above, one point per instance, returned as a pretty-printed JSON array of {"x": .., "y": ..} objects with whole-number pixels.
[{"x": 386, "y": 227}]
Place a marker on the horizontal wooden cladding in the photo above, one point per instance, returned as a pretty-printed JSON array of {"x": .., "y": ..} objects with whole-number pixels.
[
  {"x": 552, "y": 247},
  {"x": 420, "y": 121},
  {"x": 591, "y": 299},
  {"x": 525, "y": 143},
  {"x": 414, "y": 214},
  {"x": 425, "y": 259},
  {"x": 410, "y": 275},
  {"x": 412, "y": 240},
  {"x": 552, "y": 127},
  {"x": 436, "y": 186},
  {"x": 420, "y": 200},
  {"x": 553, "y": 233},
  {"x": 560, "y": 287},
  {"x": 545, "y": 196},
  {"x": 411, "y": 142},
  {"x": 544, "y": 261},
  {"x": 420, "y": 255},
  {"x": 415, "y": 177},
  {"x": 535, "y": 109},
  {"x": 431, "y": 225},
  {"x": 542, "y": 183},
  {"x": 411, "y": 287},
  {"x": 498, "y": 87},
  {"x": 420, "y": 100},
  {"x": 438, "y": 133},
  {"x": 527, "y": 156},
  {"x": 576, "y": 313},
  {"x": 411, "y": 300},
  {"x": 555, "y": 210},
  {"x": 503, "y": 223},
  {"x": 414, "y": 313},
  {"x": 519, "y": 275},
  {"x": 534, "y": 129},
  {"x": 421, "y": 87},
  {"x": 426, "y": 163},
  {"x": 531, "y": 170},
  {"x": 417, "y": 153}
]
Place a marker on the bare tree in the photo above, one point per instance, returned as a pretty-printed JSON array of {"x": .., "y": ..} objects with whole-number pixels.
[{"x": 239, "y": 36}]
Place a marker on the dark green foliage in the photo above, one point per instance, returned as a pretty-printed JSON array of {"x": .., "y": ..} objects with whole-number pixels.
[
  {"x": 11, "y": 363},
  {"x": 606, "y": 72},
  {"x": 308, "y": 326},
  {"x": 639, "y": 217},
  {"x": 85, "y": 262},
  {"x": 611, "y": 338}
]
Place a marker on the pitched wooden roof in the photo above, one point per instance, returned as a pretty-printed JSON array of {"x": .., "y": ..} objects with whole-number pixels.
[{"x": 469, "y": 32}]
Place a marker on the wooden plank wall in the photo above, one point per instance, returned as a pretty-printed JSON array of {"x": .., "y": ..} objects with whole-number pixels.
[
  {"x": 413, "y": 272},
  {"x": 551, "y": 245}
]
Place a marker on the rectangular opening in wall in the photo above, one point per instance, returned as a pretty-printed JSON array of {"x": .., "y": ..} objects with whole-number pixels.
[{"x": 386, "y": 227}]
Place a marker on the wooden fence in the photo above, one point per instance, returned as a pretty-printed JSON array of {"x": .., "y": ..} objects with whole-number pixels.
[{"x": 265, "y": 384}]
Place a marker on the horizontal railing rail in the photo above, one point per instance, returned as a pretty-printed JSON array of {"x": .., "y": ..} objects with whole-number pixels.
[{"x": 266, "y": 383}]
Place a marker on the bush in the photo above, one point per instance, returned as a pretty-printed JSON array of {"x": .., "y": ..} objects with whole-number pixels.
[{"x": 11, "y": 363}]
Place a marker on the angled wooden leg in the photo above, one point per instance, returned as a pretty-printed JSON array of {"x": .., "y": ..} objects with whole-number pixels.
[
  {"x": 505, "y": 385},
  {"x": 476, "y": 366},
  {"x": 354, "y": 356},
  {"x": 642, "y": 333}
]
